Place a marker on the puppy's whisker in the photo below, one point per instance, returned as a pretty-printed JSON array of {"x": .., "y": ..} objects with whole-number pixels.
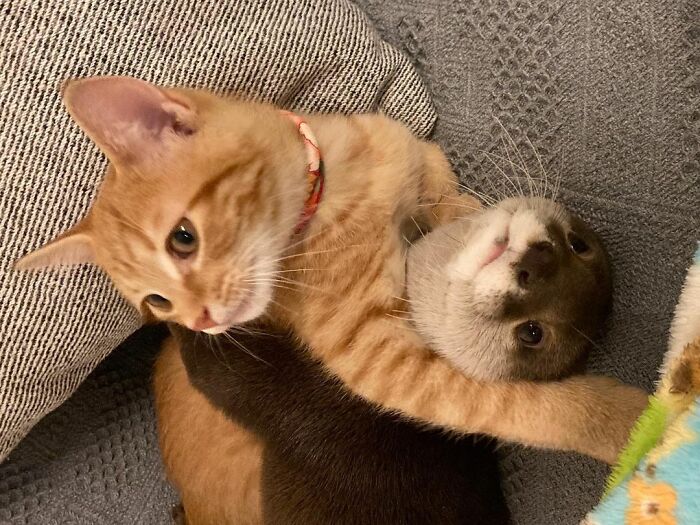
[
  {"x": 502, "y": 172},
  {"x": 539, "y": 161}
]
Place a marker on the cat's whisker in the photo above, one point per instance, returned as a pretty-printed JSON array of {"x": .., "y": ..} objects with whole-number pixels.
[
  {"x": 453, "y": 204},
  {"x": 405, "y": 321},
  {"x": 276, "y": 282},
  {"x": 242, "y": 347},
  {"x": 514, "y": 166},
  {"x": 280, "y": 305},
  {"x": 459, "y": 241},
  {"x": 306, "y": 238},
  {"x": 246, "y": 330},
  {"x": 294, "y": 270},
  {"x": 220, "y": 355},
  {"x": 304, "y": 285},
  {"x": 422, "y": 234},
  {"x": 321, "y": 252},
  {"x": 278, "y": 286}
]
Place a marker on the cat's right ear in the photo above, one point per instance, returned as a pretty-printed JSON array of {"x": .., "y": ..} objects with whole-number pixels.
[
  {"x": 129, "y": 119},
  {"x": 70, "y": 248}
]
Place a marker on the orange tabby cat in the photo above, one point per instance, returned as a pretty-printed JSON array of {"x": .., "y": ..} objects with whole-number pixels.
[{"x": 195, "y": 223}]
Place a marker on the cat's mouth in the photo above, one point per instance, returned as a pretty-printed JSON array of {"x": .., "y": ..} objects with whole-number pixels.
[
  {"x": 250, "y": 305},
  {"x": 238, "y": 315}
]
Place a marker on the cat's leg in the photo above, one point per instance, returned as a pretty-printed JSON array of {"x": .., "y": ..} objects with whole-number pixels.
[
  {"x": 214, "y": 463},
  {"x": 363, "y": 339},
  {"x": 587, "y": 414}
]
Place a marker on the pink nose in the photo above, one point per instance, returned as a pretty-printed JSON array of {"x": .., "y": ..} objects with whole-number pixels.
[{"x": 204, "y": 321}]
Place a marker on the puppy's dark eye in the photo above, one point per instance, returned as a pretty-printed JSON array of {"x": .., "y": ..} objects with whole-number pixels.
[
  {"x": 182, "y": 241},
  {"x": 578, "y": 245},
  {"x": 530, "y": 333},
  {"x": 158, "y": 301}
]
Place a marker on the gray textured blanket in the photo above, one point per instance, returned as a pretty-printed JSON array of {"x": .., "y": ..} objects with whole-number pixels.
[{"x": 609, "y": 93}]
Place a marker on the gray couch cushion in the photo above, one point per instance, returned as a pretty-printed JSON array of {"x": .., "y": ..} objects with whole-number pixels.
[{"x": 309, "y": 55}]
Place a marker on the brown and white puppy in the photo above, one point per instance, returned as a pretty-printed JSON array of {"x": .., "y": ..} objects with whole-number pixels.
[{"x": 515, "y": 291}]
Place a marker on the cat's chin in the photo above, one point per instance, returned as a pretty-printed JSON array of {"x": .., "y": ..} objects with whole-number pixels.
[{"x": 250, "y": 308}]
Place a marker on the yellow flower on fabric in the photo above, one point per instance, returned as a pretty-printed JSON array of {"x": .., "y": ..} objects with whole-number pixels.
[{"x": 650, "y": 503}]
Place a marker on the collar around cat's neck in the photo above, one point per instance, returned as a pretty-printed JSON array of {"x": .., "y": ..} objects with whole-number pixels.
[{"x": 314, "y": 173}]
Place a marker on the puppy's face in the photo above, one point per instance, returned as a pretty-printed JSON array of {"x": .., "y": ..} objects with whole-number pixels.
[{"x": 516, "y": 291}]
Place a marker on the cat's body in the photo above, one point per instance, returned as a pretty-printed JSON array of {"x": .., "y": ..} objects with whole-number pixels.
[
  {"x": 329, "y": 456},
  {"x": 235, "y": 174}
]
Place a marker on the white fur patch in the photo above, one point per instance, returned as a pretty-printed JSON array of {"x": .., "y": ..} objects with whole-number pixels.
[
  {"x": 686, "y": 322},
  {"x": 526, "y": 229},
  {"x": 470, "y": 260},
  {"x": 522, "y": 229}
]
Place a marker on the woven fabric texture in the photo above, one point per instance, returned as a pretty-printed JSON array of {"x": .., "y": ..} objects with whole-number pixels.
[{"x": 56, "y": 326}]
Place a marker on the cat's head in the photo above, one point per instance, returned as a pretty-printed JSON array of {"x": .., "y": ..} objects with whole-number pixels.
[
  {"x": 198, "y": 204},
  {"x": 515, "y": 291}
]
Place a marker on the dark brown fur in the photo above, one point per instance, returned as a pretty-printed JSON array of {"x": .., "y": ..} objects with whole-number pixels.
[{"x": 329, "y": 456}]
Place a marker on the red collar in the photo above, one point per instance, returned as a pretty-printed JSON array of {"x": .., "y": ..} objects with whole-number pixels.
[{"x": 314, "y": 174}]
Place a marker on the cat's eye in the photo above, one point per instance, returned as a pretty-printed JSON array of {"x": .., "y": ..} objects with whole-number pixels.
[
  {"x": 158, "y": 301},
  {"x": 577, "y": 244},
  {"x": 182, "y": 241},
  {"x": 530, "y": 333}
]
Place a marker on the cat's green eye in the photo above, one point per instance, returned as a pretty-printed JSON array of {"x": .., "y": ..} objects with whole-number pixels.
[
  {"x": 182, "y": 241},
  {"x": 158, "y": 301}
]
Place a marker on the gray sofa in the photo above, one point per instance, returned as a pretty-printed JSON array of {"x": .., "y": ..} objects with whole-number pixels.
[{"x": 608, "y": 91}]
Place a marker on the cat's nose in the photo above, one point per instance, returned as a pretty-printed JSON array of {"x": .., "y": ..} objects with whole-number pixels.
[
  {"x": 537, "y": 264},
  {"x": 204, "y": 321}
]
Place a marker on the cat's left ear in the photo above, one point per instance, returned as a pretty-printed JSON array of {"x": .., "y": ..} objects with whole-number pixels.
[
  {"x": 70, "y": 248},
  {"x": 129, "y": 119}
]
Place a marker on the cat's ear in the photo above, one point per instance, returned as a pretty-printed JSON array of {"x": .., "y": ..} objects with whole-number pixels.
[
  {"x": 129, "y": 119},
  {"x": 70, "y": 248}
]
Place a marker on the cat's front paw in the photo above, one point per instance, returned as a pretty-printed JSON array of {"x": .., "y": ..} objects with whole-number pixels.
[{"x": 612, "y": 410}]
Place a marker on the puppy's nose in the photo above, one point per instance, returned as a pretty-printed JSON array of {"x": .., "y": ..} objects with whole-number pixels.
[{"x": 537, "y": 264}]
